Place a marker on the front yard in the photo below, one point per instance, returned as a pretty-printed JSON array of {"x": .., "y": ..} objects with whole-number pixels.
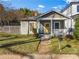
[
  {"x": 18, "y": 44},
  {"x": 27, "y": 44}
]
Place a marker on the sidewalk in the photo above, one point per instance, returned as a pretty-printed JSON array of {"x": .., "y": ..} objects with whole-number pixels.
[{"x": 42, "y": 56}]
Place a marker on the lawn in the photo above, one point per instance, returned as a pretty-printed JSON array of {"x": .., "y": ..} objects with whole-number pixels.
[
  {"x": 67, "y": 46},
  {"x": 18, "y": 44},
  {"x": 27, "y": 44}
]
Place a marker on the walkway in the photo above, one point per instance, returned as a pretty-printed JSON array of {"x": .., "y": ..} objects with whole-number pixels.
[{"x": 44, "y": 46}]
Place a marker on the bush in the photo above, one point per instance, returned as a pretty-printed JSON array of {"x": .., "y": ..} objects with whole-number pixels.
[
  {"x": 35, "y": 34},
  {"x": 76, "y": 32},
  {"x": 68, "y": 36}
]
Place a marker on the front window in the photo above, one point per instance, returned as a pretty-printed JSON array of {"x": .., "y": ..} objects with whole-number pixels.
[
  {"x": 56, "y": 25},
  {"x": 78, "y": 8}
]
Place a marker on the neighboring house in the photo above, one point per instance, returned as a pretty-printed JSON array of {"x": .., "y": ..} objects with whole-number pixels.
[{"x": 51, "y": 22}]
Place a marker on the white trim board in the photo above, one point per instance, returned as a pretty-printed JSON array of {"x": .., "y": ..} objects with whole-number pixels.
[{"x": 52, "y": 18}]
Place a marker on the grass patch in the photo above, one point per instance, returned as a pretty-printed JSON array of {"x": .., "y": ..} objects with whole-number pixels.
[
  {"x": 26, "y": 48},
  {"x": 20, "y": 49},
  {"x": 20, "y": 44},
  {"x": 67, "y": 47},
  {"x": 30, "y": 47}
]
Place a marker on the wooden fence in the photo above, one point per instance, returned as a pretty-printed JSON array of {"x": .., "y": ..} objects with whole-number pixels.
[{"x": 10, "y": 29}]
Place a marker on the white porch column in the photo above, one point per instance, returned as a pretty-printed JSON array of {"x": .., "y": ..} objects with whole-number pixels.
[
  {"x": 38, "y": 26},
  {"x": 51, "y": 27}
]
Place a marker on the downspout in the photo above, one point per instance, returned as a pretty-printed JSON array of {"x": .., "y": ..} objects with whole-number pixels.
[
  {"x": 38, "y": 26},
  {"x": 71, "y": 15},
  {"x": 28, "y": 27}
]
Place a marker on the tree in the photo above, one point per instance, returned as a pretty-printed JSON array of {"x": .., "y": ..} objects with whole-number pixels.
[
  {"x": 24, "y": 12},
  {"x": 76, "y": 31},
  {"x": 2, "y": 11},
  {"x": 7, "y": 15},
  {"x": 20, "y": 13}
]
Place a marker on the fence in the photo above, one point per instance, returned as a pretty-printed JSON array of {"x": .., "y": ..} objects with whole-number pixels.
[{"x": 10, "y": 29}]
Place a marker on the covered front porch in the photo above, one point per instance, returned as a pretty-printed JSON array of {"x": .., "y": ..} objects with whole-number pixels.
[
  {"x": 52, "y": 23},
  {"x": 51, "y": 26}
]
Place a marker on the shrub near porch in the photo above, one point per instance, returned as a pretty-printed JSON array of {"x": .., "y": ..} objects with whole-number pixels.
[{"x": 76, "y": 32}]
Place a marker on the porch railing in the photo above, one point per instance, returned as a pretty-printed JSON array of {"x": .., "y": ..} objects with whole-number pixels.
[{"x": 57, "y": 31}]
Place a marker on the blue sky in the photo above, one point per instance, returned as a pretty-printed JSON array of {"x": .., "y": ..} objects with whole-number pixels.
[{"x": 40, "y": 5}]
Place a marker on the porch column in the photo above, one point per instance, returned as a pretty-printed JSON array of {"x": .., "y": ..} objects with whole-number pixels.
[
  {"x": 38, "y": 23},
  {"x": 51, "y": 27}
]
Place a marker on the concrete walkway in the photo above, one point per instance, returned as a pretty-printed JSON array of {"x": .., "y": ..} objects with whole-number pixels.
[{"x": 44, "y": 47}]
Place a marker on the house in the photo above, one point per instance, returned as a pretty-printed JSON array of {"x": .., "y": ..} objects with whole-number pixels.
[
  {"x": 48, "y": 23},
  {"x": 51, "y": 22}
]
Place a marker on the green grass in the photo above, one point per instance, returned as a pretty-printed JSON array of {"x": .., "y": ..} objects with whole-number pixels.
[
  {"x": 23, "y": 48},
  {"x": 73, "y": 49},
  {"x": 17, "y": 40},
  {"x": 20, "y": 48},
  {"x": 31, "y": 47}
]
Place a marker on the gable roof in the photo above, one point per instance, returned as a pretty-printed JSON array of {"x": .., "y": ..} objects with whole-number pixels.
[
  {"x": 69, "y": 6},
  {"x": 52, "y": 13}
]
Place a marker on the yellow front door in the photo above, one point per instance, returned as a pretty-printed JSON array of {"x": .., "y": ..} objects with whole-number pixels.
[{"x": 46, "y": 27}]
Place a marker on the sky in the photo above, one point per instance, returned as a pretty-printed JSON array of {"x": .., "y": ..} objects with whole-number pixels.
[{"x": 39, "y": 5}]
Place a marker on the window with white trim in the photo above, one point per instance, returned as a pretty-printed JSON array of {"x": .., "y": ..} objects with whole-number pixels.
[{"x": 78, "y": 8}]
